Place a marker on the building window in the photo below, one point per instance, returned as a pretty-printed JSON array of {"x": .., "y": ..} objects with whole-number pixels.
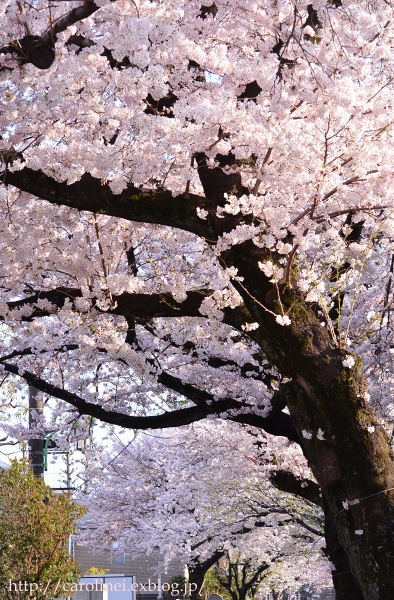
[{"x": 118, "y": 558}]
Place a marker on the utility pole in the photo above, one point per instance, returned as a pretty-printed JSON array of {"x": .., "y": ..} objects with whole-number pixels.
[{"x": 36, "y": 446}]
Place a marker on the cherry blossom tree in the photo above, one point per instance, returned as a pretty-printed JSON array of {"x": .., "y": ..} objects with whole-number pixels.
[
  {"x": 197, "y": 224},
  {"x": 201, "y": 495}
]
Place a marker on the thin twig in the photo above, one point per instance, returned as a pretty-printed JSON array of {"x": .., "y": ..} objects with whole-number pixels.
[
  {"x": 289, "y": 263},
  {"x": 258, "y": 181}
]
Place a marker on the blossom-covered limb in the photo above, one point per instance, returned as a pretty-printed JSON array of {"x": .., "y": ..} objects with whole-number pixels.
[
  {"x": 126, "y": 304},
  {"x": 133, "y": 203},
  {"x": 173, "y": 418},
  {"x": 75, "y": 15},
  {"x": 287, "y": 482},
  {"x": 39, "y": 50}
]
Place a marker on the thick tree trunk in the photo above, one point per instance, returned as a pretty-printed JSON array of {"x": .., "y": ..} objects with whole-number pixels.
[
  {"x": 345, "y": 584},
  {"x": 347, "y": 449},
  {"x": 350, "y": 458},
  {"x": 198, "y": 570},
  {"x": 196, "y": 576}
]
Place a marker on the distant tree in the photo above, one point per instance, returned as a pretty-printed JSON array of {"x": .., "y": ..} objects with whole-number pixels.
[
  {"x": 35, "y": 524},
  {"x": 201, "y": 494},
  {"x": 212, "y": 585},
  {"x": 240, "y": 578}
]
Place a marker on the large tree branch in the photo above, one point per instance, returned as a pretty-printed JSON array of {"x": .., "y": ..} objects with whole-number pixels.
[
  {"x": 31, "y": 49},
  {"x": 134, "y": 204},
  {"x": 285, "y": 481},
  {"x": 39, "y": 50},
  {"x": 147, "y": 306},
  {"x": 88, "y": 8},
  {"x": 143, "y": 306},
  {"x": 279, "y": 424},
  {"x": 205, "y": 405},
  {"x": 174, "y": 418},
  {"x": 276, "y": 423},
  {"x": 138, "y": 204},
  {"x": 163, "y": 305},
  {"x": 215, "y": 180}
]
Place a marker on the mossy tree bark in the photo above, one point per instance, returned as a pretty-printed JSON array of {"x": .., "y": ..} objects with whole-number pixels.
[
  {"x": 345, "y": 583},
  {"x": 346, "y": 447}
]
